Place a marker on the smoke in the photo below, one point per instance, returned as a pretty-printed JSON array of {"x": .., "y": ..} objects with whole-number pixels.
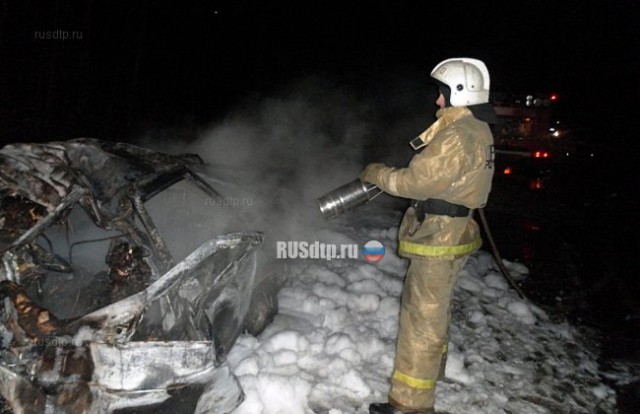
[
  {"x": 271, "y": 159},
  {"x": 289, "y": 150}
]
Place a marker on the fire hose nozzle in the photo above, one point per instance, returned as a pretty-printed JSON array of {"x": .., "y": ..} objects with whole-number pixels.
[{"x": 347, "y": 197}]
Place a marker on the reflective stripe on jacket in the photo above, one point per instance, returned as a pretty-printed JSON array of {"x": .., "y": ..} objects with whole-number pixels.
[
  {"x": 456, "y": 166},
  {"x": 417, "y": 249}
]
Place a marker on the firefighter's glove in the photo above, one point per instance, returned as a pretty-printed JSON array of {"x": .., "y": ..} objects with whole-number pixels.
[{"x": 371, "y": 172}]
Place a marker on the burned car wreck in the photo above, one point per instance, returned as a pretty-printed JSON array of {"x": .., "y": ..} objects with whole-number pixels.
[{"x": 96, "y": 313}]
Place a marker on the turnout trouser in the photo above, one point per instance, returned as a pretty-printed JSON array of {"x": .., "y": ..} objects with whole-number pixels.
[{"x": 423, "y": 334}]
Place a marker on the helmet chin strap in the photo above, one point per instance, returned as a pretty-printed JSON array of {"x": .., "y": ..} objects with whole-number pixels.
[{"x": 445, "y": 90}]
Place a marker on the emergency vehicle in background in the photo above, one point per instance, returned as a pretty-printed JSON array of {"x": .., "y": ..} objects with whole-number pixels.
[{"x": 530, "y": 142}]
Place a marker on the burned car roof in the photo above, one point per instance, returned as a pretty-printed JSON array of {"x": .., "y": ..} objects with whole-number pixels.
[
  {"x": 47, "y": 172},
  {"x": 129, "y": 328}
]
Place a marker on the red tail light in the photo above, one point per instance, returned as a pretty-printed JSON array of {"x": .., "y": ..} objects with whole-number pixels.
[
  {"x": 540, "y": 154},
  {"x": 507, "y": 171}
]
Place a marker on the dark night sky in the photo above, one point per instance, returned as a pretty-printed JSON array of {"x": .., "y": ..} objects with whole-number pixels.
[
  {"x": 160, "y": 62},
  {"x": 143, "y": 65}
]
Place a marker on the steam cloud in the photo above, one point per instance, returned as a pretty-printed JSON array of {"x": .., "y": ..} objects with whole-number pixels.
[{"x": 272, "y": 159}]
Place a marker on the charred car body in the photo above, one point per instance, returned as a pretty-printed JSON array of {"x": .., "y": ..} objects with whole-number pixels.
[{"x": 96, "y": 314}]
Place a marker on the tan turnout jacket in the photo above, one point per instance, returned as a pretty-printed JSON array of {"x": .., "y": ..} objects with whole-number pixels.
[{"x": 456, "y": 166}]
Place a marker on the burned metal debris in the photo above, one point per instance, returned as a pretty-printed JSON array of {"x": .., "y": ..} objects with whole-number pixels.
[{"x": 95, "y": 314}]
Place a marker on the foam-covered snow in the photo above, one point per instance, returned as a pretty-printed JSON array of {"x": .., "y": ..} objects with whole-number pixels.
[{"x": 331, "y": 347}]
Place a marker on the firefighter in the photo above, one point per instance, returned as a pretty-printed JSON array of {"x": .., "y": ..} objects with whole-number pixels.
[{"x": 447, "y": 180}]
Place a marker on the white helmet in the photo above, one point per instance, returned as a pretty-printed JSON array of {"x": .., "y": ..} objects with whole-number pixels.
[{"x": 467, "y": 78}]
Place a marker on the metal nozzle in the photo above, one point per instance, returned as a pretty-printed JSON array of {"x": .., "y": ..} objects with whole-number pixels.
[{"x": 347, "y": 197}]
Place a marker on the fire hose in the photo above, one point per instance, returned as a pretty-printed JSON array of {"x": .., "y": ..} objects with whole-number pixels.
[
  {"x": 496, "y": 255},
  {"x": 357, "y": 193}
]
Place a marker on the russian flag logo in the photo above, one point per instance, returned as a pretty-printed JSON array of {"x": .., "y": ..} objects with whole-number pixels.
[{"x": 373, "y": 251}]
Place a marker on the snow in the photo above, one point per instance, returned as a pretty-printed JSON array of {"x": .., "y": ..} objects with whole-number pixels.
[{"x": 331, "y": 347}]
